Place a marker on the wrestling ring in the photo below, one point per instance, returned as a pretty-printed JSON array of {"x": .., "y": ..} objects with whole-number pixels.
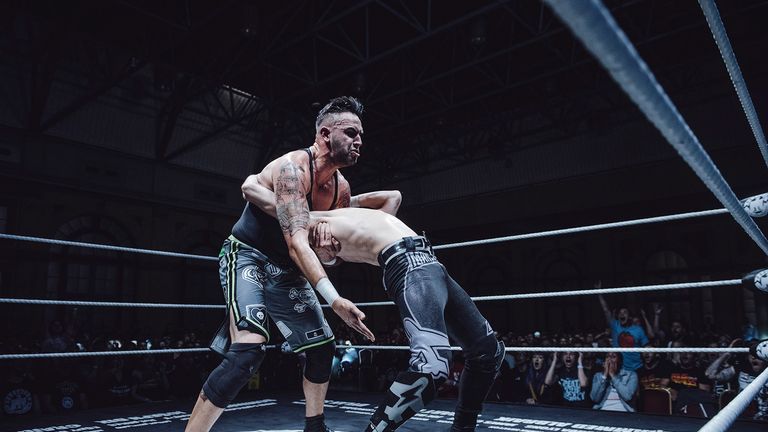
[{"x": 592, "y": 24}]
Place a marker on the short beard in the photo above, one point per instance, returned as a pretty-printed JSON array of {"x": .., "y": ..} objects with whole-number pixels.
[{"x": 343, "y": 158}]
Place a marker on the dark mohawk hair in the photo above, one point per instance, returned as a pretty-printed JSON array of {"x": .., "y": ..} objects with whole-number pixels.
[{"x": 338, "y": 105}]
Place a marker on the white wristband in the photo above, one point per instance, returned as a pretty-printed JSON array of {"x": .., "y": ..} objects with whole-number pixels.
[{"x": 326, "y": 289}]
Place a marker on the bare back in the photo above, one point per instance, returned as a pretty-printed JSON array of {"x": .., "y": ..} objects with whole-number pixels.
[{"x": 363, "y": 233}]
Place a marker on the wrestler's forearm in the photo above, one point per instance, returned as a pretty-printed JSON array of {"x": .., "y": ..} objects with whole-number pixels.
[
  {"x": 386, "y": 201},
  {"x": 305, "y": 258}
]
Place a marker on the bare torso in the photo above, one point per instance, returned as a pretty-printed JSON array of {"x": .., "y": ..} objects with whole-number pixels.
[{"x": 363, "y": 233}]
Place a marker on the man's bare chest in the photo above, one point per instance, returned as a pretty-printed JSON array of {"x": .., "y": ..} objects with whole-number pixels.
[{"x": 323, "y": 197}]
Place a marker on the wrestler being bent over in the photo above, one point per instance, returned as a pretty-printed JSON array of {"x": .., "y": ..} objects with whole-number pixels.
[{"x": 432, "y": 306}]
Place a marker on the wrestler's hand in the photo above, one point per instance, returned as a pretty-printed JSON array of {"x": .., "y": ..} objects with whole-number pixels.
[
  {"x": 320, "y": 236},
  {"x": 353, "y": 316},
  {"x": 328, "y": 255}
]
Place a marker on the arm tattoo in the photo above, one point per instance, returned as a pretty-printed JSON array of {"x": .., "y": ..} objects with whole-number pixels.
[{"x": 291, "y": 203}]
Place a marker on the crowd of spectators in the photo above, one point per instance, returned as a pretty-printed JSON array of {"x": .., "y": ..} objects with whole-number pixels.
[
  {"x": 62, "y": 385},
  {"x": 683, "y": 383},
  {"x": 686, "y": 383},
  {"x": 680, "y": 384}
]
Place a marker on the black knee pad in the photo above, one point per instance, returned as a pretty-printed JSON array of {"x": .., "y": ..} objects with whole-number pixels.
[
  {"x": 486, "y": 355},
  {"x": 483, "y": 362},
  {"x": 319, "y": 362},
  {"x": 239, "y": 363}
]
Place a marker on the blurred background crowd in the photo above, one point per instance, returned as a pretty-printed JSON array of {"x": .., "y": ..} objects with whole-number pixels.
[{"x": 677, "y": 384}]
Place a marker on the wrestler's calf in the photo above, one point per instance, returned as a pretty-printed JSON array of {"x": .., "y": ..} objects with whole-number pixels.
[
  {"x": 239, "y": 363},
  {"x": 410, "y": 392},
  {"x": 482, "y": 363}
]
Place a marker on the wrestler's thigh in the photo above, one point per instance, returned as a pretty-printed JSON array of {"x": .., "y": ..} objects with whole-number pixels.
[
  {"x": 244, "y": 281},
  {"x": 423, "y": 297},
  {"x": 466, "y": 324}
]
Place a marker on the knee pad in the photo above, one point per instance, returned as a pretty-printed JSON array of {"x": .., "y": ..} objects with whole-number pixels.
[
  {"x": 410, "y": 392},
  {"x": 239, "y": 363},
  {"x": 486, "y": 355},
  {"x": 319, "y": 361},
  {"x": 483, "y": 364}
]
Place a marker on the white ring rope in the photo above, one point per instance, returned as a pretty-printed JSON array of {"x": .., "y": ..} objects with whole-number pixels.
[
  {"x": 108, "y": 304},
  {"x": 593, "y": 24},
  {"x": 105, "y": 247},
  {"x": 106, "y": 353},
  {"x": 734, "y": 71},
  {"x": 98, "y": 353},
  {"x": 639, "y": 288},
  {"x": 618, "y": 290},
  {"x": 585, "y": 228},
  {"x": 377, "y": 347},
  {"x": 725, "y": 418},
  {"x": 573, "y": 349},
  {"x": 755, "y": 206}
]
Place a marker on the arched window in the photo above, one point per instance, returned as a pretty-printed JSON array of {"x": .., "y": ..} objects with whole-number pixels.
[
  {"x": 666, "y": 266},
  {"x": 489, "y": 277}
]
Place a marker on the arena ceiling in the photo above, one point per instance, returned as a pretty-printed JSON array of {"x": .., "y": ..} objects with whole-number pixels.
[{"x": 445, "y": 82}]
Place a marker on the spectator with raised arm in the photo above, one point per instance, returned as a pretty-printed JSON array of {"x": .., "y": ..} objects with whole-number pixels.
[
  {"x": 624, "y": 333},
  {"x": 570, "y": 379},
  {"x": 653, "y": 331},
  {"x": 744, "y": 372},
  {"x": 535, "y": 380}
]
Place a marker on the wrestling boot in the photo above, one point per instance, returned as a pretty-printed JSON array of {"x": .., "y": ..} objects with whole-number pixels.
[
  {"x": 316, "y": 424},
  {"x": 464, "y": 421}
]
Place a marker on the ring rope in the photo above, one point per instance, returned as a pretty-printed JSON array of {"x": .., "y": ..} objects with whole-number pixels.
[
  {"x": 638, "y": 288},
  {"x": 598, "y": 31},
  {"x": 574, "y": 349},
  {"x": 756, "y": 206},
  {"x": 105, "y": 247},
  {"x": 376, "y": 347},
  {"x": 108, "y": 304},
  {"x": 585, "y": 228},
  {"x": 725, "y": 418},
  {"x": 729, "y": 57},
  {"x": 97, "y": 353}
]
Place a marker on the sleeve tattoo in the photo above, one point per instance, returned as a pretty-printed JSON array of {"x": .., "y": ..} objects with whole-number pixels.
[{"x": 291, "y": 202}]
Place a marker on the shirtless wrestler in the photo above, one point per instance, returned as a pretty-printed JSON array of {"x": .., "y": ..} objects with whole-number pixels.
[{"x": 431, "y": 304}]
